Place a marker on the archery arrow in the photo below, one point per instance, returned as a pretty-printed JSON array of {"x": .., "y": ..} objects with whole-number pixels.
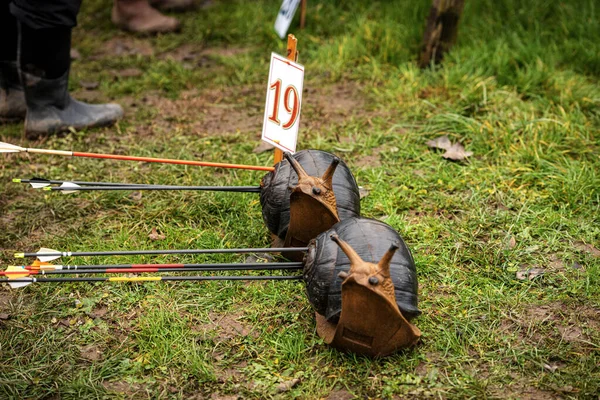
[
  {"x": 38, "y": 183},
  {"x": 45, "y": 254},
  {"x": 21, "y": 271},
  {"x": 70, "y": 187},
  {"x": 20, "y": 282},
  {"x": 11, "y": 148}
]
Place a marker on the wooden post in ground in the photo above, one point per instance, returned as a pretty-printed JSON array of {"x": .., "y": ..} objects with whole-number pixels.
[
  {"x": 441, "y": 30},
  {"x": 292, "y": 55},
  {"x": 303, "y": 13}
]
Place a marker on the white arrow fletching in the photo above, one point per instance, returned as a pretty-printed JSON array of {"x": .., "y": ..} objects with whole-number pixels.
[
  {"x": 17, "y": 285},
  {"x": 10, "y": 148},
  {"x": 39, "y": 185},
  {"x": 69, "y": 185},
  {"x": 48, "y": 258}
]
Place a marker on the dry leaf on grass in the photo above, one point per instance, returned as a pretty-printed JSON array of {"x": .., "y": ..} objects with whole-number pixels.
[
  {"x": 454, "y": 152},
  {"x": 154, "y": 235},
  {"x": 136, "y": 196},
  {"x": 287, "y": 385},
  {"x": 443, "y": 142},
  {"x": 530, "y": 273},
  {"x": 363, "y": 192},
  {"x": 512, "y": 243},
  {"x": 457, "y": 153}
]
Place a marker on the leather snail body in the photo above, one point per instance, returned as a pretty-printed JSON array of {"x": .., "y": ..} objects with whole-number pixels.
[
  {"x": 306, "y": 194},
  {"x": 361, "y": 279}
]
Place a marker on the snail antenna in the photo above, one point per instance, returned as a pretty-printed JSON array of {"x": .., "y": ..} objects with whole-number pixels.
[
  {"x": 348, "y": 250},
  {"x": 328, "y": 175},
  {"x": 384, "y": 263},
  {"x": 296, "y": 165}
]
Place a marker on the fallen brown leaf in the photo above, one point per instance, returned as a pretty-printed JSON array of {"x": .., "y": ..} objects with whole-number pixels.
[
  {"x": 363, "y": 192},
  {"x": 154, "y": 235},
  {"x": 443, "y": 142},
  {"x": 530, "y": 273},
  {"x": 457, "y": 153},
  {"x": 287, "y": 385}
]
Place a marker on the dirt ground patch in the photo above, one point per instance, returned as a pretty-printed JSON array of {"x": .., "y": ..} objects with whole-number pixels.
[
  {"x": 132, "y": 390},
  {"x": 558, "y": 321},
  {"x": 225, "y": 111},
  {"x": 340, "y": 395},
  {"x": 332, "y": 103},
  {"x": 91, "y": 353},
  {"x": 124, "y": 46},
  {"x": 225, "y": 327},
  {"x": 522, "y": 391}
]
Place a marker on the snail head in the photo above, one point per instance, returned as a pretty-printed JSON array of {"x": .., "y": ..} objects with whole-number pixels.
[
  {"x": 375, "y": 277},
  {"x": 319, "y": 188}
]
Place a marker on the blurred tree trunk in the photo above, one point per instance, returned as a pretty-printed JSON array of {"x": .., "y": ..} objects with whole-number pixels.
[{"x": 441, "y": 30}]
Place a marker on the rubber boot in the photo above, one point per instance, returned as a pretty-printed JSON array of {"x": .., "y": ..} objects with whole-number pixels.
[
  {"x": 138, "y": 16},
  {"x": 12, "y": 98},
  {"x": 50, "y": 108}
]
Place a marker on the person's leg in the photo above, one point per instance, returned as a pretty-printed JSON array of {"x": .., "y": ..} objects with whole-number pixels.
[
  {"x": 138, "y": 16},
  {"x": 12, "y": 99},
  {"x": 45, "y": 44}
]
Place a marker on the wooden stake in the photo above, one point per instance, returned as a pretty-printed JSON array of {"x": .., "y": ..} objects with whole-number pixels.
[
  {"x": 292, "y": 55},
  {"x": 441, "y": 30},
  {"x": 303, "y": 13}
]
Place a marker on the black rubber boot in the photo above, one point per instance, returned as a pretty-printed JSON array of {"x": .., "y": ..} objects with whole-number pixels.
[
  {"x": 12, "y": 98},
  {"x": 50, "y": 108}
]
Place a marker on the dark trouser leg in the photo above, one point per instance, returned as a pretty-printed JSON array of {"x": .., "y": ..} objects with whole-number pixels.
[
  {"x": 45, "y": 52},
  {"x": 8, "y": 33},
  {"x": 44, "y": 55},
  {"x": 12, "y": 99}
]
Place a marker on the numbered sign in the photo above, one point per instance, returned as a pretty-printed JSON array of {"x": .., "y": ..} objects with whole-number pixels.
[
  {"x": 285, "y": 16},
  {"x": 284, "y": 100}
]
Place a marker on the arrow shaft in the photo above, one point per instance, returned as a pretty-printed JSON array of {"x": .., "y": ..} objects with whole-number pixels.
[
  {"x": 161, "y": 252},
  {"x": 9, "y": 148},
  {"x": 155, "y": 278},
  {"x": 157, "y": 160},
  {"x": 245, "y": 189},
  {"x": 58, "y": 182},
  {"x": 138, "y": 268}
]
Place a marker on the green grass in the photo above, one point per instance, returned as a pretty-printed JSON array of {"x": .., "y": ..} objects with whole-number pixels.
[{"x": 520, "y": 89}]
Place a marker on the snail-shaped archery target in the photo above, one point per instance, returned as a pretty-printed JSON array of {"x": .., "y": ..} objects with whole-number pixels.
[
  {"x": 361, "y": 279},
  {"x": 306, "y": 194}
]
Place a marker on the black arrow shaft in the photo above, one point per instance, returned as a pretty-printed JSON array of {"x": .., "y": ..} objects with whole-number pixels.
[
  {"x": 130, "y": 268},
  {"x": 237, "y": 189},
  {"x": 159, "y": 278},
  {"x": 57, "y": 182},
  {"x": 166, "y": 252}
]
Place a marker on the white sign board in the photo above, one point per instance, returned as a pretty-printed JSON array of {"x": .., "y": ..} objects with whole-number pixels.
[
  {"x": 285, "y": 16},
  {"x": 284, "y": 100}
]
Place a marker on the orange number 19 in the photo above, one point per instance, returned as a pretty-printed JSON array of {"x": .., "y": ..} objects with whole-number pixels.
[{"x": 290, "y": 95}]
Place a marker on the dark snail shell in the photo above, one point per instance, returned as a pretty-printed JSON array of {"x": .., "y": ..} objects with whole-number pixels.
[
  {"x": 275, "y": 193},
  {"x": 371, "y": 239}
]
